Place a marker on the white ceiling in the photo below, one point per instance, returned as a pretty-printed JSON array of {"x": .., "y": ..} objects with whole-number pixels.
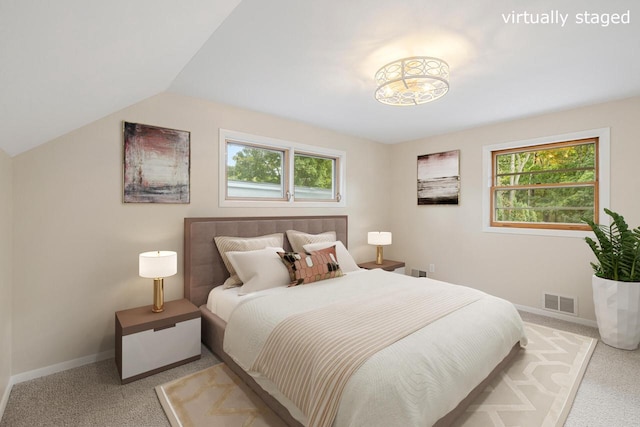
[
  {"x": 69, "y": 62},
  {"x": 66, "y": 63}
]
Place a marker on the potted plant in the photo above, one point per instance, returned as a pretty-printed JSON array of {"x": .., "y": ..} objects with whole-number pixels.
[{"x": 616, "y": 287}]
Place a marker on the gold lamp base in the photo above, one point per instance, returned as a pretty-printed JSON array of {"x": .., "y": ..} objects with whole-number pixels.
[
  {"x": 379, "y": 255},
  {"x": 158, "y": 295}
]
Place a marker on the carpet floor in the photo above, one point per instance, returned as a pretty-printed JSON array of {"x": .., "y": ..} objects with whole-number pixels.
[{"x": 91, "y": 395}]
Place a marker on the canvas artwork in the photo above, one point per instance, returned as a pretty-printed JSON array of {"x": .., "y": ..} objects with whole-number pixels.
[
  {"x": 156, "y": 164},
  {"x": 439, "y": 178}
]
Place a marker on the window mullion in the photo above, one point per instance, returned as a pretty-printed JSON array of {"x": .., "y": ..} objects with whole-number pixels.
[
  {"x": 289, "y": 155},
  {"x": 543, "y": 186}
]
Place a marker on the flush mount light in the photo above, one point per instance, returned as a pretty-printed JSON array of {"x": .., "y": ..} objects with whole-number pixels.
[{"x": 412, "y": 81}]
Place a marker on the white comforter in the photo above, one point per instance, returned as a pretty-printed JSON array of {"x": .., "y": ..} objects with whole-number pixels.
[{"x": 413, "y": 382}]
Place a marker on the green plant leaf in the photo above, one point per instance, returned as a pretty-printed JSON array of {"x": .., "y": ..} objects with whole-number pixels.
[{"x": 616, "y": 248}]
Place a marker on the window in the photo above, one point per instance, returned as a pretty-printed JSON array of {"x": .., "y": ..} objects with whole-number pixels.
[
  {"x": 548, "y": 184},
  {"x": 315, "y": 177},
  {"x": 255, "y": 172},
  {"x": 259, "y": 171}
]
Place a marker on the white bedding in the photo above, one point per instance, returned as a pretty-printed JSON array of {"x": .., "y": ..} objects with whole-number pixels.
[
  {"x": 222, "y": 301},
  {"x": 413, "y": 382}
]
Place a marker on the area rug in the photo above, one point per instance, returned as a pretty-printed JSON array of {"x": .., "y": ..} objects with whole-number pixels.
[
  {"x": 214, "y": 397},
  {"x": 538, "y": 388},
  {"x": 535, "y": 390}
]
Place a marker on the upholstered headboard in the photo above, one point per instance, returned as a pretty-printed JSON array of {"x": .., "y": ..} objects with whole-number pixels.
[{"x": 203, "y": 266}]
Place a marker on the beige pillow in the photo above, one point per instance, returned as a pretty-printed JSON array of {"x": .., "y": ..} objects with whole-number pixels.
[
  {"x": 298, "y": 239},
  {"x": 242, "y": 244},
  {"x": 259, "y": 270}
]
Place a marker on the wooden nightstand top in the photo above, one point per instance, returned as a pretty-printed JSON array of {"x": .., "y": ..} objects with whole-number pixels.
[
  {"x": 387, "y": 265},
  {"x": 142, "y": 318}
]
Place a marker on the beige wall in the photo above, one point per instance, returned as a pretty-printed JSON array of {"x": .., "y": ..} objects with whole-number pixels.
[
  {"x": 6, "y": 265},
  {"x": 76, "y": 243},
  {"x": 515, "y": 267}
]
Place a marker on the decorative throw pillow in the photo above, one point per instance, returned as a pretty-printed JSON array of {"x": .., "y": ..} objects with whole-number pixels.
[
  {"x": 298, "y": 239},
  {"x": 346, "y": 261},
  {"x": 237, "y": 244},
  {"x": 308, "y": 268}
]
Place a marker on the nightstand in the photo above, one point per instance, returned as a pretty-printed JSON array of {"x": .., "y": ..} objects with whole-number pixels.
[
  {"x": 148, "y": 342},
  {"x": 387, "y": 265}
]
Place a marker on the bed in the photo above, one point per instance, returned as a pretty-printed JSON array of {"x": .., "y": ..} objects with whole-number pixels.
[{"x": 492, "y": 344}]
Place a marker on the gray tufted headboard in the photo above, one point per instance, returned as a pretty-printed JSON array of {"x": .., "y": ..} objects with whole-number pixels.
[{"x": 203, "y": 266}]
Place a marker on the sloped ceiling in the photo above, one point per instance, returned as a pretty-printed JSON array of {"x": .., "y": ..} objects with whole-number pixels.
[
  {"x": 69, "y": 62},
  {"x": 66, "y": 63}
]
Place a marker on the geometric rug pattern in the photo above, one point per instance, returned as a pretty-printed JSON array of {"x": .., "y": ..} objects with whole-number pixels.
[
  {"x": 535, "y": 390},
  {"x": 214, "y": 397},
  {"x": 539, "y": 386}
]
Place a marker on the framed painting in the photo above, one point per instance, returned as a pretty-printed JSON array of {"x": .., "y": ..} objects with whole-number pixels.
[
  {"x": 156, "y": 164},
  {"x": 439, "y": 178}
]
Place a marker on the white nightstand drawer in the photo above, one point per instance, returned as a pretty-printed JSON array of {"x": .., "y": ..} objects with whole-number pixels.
[{"x": 148, "y": 350}]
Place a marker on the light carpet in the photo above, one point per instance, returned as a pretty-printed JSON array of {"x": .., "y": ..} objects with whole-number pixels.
[{"x": 535, "y": 390}]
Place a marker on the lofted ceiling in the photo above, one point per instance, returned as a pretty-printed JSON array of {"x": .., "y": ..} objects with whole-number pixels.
[{"x": 67, "y": 63}]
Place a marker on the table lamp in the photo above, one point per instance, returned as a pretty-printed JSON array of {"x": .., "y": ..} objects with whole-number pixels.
[
  {"x": 157, "y": 265},
  {"x": 380, "y": 239}
]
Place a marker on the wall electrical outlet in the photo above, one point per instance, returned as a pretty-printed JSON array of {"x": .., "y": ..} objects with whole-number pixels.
[{"x": 432, "y": 268}]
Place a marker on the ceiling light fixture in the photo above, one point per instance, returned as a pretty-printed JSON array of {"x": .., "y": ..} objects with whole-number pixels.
[{"x": 412, "y": 81}]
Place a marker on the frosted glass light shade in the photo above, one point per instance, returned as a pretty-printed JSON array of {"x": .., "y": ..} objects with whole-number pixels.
[
  {"x": 158, "y": 264},
  {"x": 412, "y": 81},
  {"x": 379, "y": 238}
]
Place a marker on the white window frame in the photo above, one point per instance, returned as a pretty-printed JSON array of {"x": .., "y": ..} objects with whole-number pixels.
[
  {"x": 604, "y": 180},
  {"x": 291, "y": 148}
]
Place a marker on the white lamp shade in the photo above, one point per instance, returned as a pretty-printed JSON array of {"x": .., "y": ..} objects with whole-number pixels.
[
  {"x": 380, "y": 238},
  {"x": 156, "y": 264}
]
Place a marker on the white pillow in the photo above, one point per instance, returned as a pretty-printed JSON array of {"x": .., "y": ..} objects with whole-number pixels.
[
  {"x": 346, "y": 261},
  {"x": 260, "y": 269},
  {"x": 227, "y": 244},
  {"x": 298, "y": 239}
]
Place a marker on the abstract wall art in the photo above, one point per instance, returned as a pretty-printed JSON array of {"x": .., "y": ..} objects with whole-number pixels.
[
  {"x": 156, "y": 164},
  {"x": 439, "y": 178}
]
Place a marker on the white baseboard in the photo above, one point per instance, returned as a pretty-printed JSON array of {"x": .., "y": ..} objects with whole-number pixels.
[
  {"x": 59, "y": 367},
  {"x": 560, "y": 316},
  {"x": 48, "y": 370},
  {"x": 5, "y": 398}
]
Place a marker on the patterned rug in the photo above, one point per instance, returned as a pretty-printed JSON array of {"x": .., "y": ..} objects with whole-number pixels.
[
  {"x": 539, "y": 386},
  {"x": 536, "y": 390},
  {"x": 214, "y": 397}
]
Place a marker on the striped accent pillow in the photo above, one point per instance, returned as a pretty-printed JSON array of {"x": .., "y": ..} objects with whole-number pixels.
[
  {"x": 298, "y": 239},
  {"x": 242, "y": 244},
  {"x": 308, "y": 268}
]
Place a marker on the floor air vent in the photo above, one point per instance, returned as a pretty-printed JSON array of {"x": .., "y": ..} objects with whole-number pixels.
[{"x": 560, "y": 304}]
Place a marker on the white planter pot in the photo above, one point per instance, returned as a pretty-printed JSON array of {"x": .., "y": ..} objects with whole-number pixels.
[{"x": 617, "y": 307}]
